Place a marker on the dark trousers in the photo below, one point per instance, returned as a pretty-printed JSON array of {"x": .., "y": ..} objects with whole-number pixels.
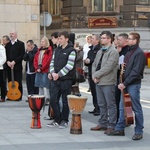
[
  {"x": 30, "y": 80},
  {"x": 17, "y": 77},
  {"x": 2, "y": 84},
  {"x": 117, "y": 97},
  {"x": 50, "y": 111},
  {"x": 62, "y": 88},
  {"x": 93, "y": 92}
]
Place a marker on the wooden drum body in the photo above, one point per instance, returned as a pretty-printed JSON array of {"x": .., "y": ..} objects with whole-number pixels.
[
  {"x": 36, "y": 103},
  {"x": 76, "y": 105}
]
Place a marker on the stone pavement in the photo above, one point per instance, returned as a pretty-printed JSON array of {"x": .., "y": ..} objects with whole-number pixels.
[{"x": 16, "y": 134}]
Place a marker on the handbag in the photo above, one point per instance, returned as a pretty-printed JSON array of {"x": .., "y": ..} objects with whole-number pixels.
[{"x": 80, "y": 77}]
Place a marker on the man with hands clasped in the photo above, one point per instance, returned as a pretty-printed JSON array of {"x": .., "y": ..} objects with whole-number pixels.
[
  {"x": 62, "y": 72},
  {"x": 104, "y": 74}
]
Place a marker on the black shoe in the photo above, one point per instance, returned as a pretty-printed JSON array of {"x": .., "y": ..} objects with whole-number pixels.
[
  {"x": 92, "y": 112},
  {"x": 2, "y": 100},
  {"x": 137, "y": 137},
  {"x": 27, "y": 100},
  {"x": 116, "y": 133},
  {"x": 96, "y": 113}
]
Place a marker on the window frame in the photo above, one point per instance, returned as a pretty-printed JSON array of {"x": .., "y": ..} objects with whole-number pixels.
[
  {"x": 103, "y": 7},
  {"x": 54, "y": 7}
]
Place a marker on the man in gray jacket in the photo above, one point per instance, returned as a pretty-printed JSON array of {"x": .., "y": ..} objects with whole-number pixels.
[{"x": 104, "y": 74}]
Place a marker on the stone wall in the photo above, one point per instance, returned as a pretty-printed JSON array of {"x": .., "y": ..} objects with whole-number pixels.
[{"x": 21, "y": 15}]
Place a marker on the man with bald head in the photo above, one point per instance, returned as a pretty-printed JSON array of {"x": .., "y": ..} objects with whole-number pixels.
[{"x": 15, "y": 51}]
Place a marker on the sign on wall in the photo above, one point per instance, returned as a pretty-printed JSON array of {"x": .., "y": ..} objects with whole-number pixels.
[{"x": 103, "y": 22}]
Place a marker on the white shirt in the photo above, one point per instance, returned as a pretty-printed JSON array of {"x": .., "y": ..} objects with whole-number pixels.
[
  {"x": 85, "y": 50},
  {"x": 13, "y": 42},
  {"x": 2, "y": 56}
]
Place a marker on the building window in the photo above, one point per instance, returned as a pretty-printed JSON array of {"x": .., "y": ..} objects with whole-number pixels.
[
  {"x": 103, "y": 5},
  {"x": 54, "y": 7}
]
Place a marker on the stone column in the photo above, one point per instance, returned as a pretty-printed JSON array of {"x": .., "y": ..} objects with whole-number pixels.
[
  {"x": 136, "y": 13},
  {"x": 73, "y": 14}
]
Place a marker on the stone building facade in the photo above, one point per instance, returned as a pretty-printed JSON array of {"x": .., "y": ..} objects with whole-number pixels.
[
  {"x": 81, "y": 17},
  {"x": 93, "y": 16}
]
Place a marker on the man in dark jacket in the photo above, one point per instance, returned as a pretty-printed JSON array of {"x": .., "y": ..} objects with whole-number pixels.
[
  {"x": 15, "y": 51},
  {"x": 88, "y": 62},
  {"x": 122, "y": 41},
  {"x": 62, "y": 72},
  {"x": 30, "y": 70},
  {"x": 134, "y": 67}
]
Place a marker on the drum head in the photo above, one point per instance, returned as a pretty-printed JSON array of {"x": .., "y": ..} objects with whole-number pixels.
[
  {"x": 76, "y": 97},
  {"x": 36, "y": 96}
]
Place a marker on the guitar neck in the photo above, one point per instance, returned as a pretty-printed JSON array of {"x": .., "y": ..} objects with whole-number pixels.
[{"x": 12, "y": 77}]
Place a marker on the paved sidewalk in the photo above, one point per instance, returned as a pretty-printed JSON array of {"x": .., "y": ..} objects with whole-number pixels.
[{"x": 16, "y": 134}]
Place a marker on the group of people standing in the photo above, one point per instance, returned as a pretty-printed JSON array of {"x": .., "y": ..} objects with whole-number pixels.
[
  {"x": 50, "y": 71},
  {"x": 106, "y": 66}
]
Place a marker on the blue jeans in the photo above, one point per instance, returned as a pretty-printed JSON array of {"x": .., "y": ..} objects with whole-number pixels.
[{"x": 134, "y": 92}]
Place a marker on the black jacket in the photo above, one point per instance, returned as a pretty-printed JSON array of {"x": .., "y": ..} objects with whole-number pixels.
[
  {"x": 135, "y": 64},
  {"x": 60, "y": 60},
  {"x": 123, "y": 52},
  {"x": 91, "y": 55},
  {"x": 29, "y": 57},
  {"x": 15, "y": 52}
]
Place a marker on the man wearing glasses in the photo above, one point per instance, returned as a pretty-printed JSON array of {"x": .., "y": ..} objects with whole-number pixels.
[
  {"x": 134, "y": 63},
  {"x": 104, "y": 74}
]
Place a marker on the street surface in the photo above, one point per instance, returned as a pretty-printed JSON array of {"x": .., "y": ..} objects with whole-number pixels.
[{"x": 16, "y": 134}]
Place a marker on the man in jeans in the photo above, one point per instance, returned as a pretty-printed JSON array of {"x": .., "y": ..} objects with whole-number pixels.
[
  {"x": 134, "y": 63},
  {"x": 62, "y": 72}
]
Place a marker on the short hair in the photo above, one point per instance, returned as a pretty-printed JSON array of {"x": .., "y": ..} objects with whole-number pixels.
[
  {"x": 135, "y": 36},
  {"x": 7, "y": 37},
  {"x": 108, "y": 34},
  {"x": 64, "y": 33},
  {"x": 46, "y": 40},
  {"x": 124, "y": 35},
  {"x": 55, "y": 34},
  {"x": 30, "y": 41},
  {"x": 97, "y": 36}
]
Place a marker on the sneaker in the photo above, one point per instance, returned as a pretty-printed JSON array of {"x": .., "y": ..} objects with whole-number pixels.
[
  {"x": 137, "y": 137},
  {"x": 47, "y": 102},
  {"x": 53, "y": 124},
  {"x": 63, "y": 124}
]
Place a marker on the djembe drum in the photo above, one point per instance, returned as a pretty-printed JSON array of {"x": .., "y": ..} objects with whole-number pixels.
[
  {"x": 76, "y": 106},
  {"x": 36, "y": 103}
]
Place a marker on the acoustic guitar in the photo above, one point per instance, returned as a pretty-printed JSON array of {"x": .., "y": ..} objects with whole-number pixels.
[
  {"x": 127, "y": 103},
  {"x": 13, "y": 92}
]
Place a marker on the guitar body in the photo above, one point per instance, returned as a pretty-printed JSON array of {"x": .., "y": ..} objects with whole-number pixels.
[
  {"x": 127, "y": 103},
  {"x": 128, "y": 109},
  {"x": 13, "y": 92}
]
